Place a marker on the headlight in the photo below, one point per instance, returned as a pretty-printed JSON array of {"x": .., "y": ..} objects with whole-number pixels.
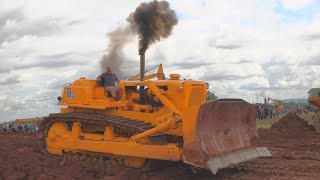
[{"x": 181, "y": 87}]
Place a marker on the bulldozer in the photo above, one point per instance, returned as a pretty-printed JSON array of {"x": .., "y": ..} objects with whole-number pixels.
[
  {"x": 314, "y": 99},
  {"x": 156, "y": 118}
]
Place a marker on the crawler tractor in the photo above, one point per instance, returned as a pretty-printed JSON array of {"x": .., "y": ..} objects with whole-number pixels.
[
  {"x": 314, "y": 99},
  {"x": 160, "y": 119}
]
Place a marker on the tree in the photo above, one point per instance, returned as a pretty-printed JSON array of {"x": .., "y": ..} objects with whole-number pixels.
[{"x": 211, "y": 96}]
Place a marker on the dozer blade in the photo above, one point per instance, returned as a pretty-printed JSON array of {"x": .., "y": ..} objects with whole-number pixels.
[{"x": 225, "y": 134}]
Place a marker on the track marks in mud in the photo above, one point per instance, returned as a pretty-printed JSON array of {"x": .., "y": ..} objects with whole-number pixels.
[{"x": 295, "y": 147}]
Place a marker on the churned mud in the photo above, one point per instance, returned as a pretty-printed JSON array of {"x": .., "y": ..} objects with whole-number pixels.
[{"x": 294, "y": 144}]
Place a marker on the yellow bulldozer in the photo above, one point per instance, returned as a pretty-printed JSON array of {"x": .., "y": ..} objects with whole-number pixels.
[
  {"x": 314, "y": 99},
  {"x": 155, "y": 119}
]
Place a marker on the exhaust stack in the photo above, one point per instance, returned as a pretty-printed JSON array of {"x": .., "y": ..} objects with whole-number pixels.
[{"x": 142, "y": 65}]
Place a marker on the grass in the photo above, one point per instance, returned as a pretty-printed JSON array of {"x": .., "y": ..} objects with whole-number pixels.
[{"x": 266, "y": 123}]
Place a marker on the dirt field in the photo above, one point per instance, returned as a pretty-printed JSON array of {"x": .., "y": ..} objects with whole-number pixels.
[{"x": 294, "y": 144}]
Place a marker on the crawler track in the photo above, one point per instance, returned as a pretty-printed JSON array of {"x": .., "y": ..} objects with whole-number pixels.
[{"x": 123, "y": 126}]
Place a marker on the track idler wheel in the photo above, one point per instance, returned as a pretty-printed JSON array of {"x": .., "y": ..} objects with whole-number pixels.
[{"x": 56, "y": 131}]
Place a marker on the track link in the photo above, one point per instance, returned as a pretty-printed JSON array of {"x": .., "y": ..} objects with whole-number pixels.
[{"x": 122, "y": 125}]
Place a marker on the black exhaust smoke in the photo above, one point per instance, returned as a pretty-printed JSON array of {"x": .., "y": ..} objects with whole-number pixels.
[{"x": 151, "y": 21}]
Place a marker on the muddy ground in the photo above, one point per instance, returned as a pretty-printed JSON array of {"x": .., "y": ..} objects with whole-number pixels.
[{"x": 294, "y": 144}]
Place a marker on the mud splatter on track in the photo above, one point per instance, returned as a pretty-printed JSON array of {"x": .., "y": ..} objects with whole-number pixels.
[{"x": 294, "y": 144}]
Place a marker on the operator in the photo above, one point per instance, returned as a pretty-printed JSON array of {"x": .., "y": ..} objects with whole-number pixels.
[{"x": 110, "y": 80}]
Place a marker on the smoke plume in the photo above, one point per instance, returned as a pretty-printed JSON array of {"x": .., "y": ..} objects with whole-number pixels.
[
  {"x": 118, "y": 38},
  {"x": 263, "y": 94},
  {"x": 152, "y": 21}
]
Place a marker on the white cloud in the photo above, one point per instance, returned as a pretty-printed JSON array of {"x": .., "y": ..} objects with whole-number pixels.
[
  {"x": 231, "y": 71},
  {"x": 294, "y": 5},
  {"x": 256, "y": 83},
  {"x": 240, "y": 47}
]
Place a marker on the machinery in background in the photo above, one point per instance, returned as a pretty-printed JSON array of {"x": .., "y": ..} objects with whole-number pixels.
[
  {"x": 28, "y": 120},
  {"x": 28, "y": 125},
  {"x": 277, "y": 103},
  {"x": 264, "y": 110}
]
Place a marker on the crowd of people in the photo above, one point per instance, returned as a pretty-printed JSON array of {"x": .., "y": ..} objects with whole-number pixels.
[
  {"x": 267, "y": 111},
  {"x": 11, "y": 126}
]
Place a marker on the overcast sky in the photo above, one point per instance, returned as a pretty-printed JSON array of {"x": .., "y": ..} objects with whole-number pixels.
[{"x": 243, "y": 48}]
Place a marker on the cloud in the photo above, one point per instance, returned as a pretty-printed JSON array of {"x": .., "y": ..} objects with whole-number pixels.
[
  {"x": 295, "y": 78},
  {"x": 294, "y": 5},
  {"x": 4, "y": 70},
  {"x": 228, "y": 38},
  {"x": 224, "y": 46},
  {"x": 221, "y": 72},
  {"x": 25, "y": 107},
  {"x": 50, "y": 90},
  {"x": 56, "y": 61},
  {"x": 10, "y": 15},
  {"x": 275, "y": 70},
  {"x": 190, "y": 62},
  {"x": 240, "y": 47},
  {"x": 243, "y": 61},
  {"x": 10, "y": 80},
  {"x": 53, "y": 61},
  {"x": 313, "y": 60},
  {"x": 40, "y": 103},
  {"x": 311, "y": 37},
  {"x": 14, "y": 24},
  {"x": 256, "y": 83}
]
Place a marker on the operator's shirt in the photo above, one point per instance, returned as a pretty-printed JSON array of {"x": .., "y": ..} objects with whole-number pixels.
[{"x": 109, "y": 79}]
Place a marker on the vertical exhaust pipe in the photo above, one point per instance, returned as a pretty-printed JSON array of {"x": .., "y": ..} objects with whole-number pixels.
[{"x": 142, "y": 65}]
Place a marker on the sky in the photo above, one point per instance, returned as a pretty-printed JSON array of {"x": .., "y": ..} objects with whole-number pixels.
[{"x": 245, "y": 49}]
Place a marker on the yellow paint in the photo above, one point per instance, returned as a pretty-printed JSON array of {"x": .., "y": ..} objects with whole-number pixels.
[
  {"x": 66, "y": 141},
  {"x": 158, "y": 129},
  {"x": 109, "y": 135},
  {"x": 177, "y": 100},
  {"x": 28, "y": 120},
  {"x": 279, "y": 106}
]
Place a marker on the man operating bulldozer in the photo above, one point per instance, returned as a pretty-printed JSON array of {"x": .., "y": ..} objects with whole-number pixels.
[{"x": 109, "y": 80}]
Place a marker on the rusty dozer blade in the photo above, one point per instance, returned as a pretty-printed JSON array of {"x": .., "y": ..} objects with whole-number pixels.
[{"x": 225, "y": 134}]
